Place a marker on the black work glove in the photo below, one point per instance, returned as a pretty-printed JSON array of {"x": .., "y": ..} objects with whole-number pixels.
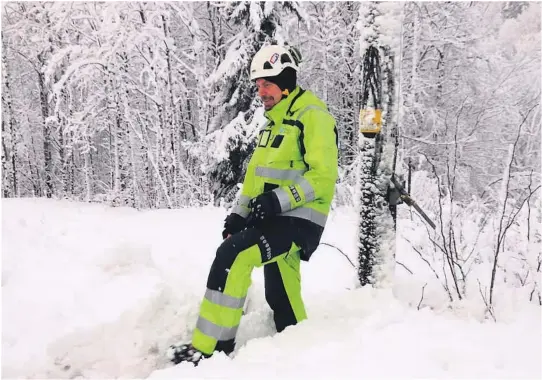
[
  {"x": 233, "y": 224},
  {"x": 263, "y": 207}
]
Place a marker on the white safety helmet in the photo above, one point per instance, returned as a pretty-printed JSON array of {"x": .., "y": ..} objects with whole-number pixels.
[{"x": 270, "y": 60}]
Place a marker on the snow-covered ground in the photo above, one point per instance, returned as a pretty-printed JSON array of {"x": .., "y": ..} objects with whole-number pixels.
[{"x": 96, "y": 292}]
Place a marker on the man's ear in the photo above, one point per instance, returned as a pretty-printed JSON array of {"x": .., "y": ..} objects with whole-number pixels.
[{"x": 286, "y": 92}]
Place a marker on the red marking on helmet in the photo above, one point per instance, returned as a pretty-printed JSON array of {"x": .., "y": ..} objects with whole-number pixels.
[{"x": 274, "y": 58}]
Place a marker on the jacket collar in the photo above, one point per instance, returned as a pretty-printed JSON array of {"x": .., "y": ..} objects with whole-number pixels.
[{"x": 278, "y": 112}]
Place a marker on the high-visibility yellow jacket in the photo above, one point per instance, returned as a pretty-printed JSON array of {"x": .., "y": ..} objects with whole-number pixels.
[{"x": 296, "y": 157}]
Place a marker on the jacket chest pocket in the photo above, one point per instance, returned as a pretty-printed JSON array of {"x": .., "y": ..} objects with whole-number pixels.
[
  {"x": 264, "y": 138},
  {"x": 284, "y": 145},
  {"x": 277, "y": 141},
  {"x": 270, "y": 139}
]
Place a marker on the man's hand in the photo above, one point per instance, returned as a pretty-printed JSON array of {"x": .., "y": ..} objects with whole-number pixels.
[
  {"x": 263, "y": 207},
  {"x": 233, "y": 224}
]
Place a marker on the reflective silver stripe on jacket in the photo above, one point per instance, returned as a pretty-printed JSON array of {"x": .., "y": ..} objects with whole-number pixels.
[
  {"x": 241, "y": 211},
  {"x": 243, "y": 200},
  {"x": 308, "y": 214},
  {"x": 307, "y": 188},
  {"x": 284, "y": 198},
  {"x": 280, "y": 174},
  {"x": 312, "y": 107},
  {"x": 218, "y": 332},
  {"x": 222, "y": 299}
]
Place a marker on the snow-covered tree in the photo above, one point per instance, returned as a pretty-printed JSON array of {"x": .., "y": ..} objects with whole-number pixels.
[
  {"x": 255, "y": 24},
  {"x": 150, "y": 104},
  {"x": 9, "y": 133},
  {"x": 459, "y": 90}
]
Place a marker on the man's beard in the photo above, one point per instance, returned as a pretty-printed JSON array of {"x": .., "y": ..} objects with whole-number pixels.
[{"x": 268, "y": 98}]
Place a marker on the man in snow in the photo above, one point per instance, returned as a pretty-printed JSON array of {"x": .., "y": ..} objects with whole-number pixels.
[{"x": 282, "y": 210}]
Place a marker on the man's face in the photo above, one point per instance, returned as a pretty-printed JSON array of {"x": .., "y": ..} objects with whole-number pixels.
[{"x": 269, "y": 92}]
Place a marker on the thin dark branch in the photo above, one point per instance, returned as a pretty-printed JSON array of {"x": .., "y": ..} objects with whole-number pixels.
[
  {"x": 344, "y": 254},
  {"x": 443, "y": 283},
  {"x": 504, "y": 229},
  {"x": 421, "y": 298},
  {"x": 489, "y": 307},
  {"x": 404, "y": 266}
]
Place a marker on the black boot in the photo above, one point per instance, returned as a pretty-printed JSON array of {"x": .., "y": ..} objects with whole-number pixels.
[{"x": 179, "y": 353}]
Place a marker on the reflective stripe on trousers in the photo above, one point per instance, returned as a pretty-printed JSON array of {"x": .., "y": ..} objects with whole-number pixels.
[
  {"x": 213, "y": 330},
  {"x": 225, "y": 300}
]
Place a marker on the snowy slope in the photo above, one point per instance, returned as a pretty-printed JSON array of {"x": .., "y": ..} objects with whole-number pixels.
[{"x": 90, "y": 291}]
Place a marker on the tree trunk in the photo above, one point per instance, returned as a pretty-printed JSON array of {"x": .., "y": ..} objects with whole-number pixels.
[
  {"x": 47, "y": 138},
  {"x": 172, "y": 122},
  {"x": 6, "y": 187},
  {"x": 88, "y": 171},
  {"x": 9, "y": 153}
]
